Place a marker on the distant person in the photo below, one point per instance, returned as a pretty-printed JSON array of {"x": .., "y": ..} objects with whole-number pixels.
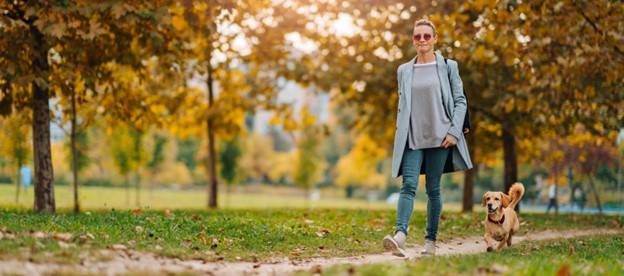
[
  {"x": 429, "y": 133},
  {"x": 539, "y": 183},
  {"x": 26, "y": 176},
  {"x": 552, "y": 198}
]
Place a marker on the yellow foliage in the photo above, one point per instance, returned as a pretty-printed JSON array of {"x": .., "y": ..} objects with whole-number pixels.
[
  {"x": 359, "y": 166},
  {"x": 59, "y": 161},
  {"x": 174, "y": 173},
  {"x": 257, "y": 151},
  {"x": 281, "y": 165},
  {"x": 178, "y": 21}
]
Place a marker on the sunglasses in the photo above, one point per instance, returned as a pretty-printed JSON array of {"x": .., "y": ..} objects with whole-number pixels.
[{"x": 427, "y": 37}]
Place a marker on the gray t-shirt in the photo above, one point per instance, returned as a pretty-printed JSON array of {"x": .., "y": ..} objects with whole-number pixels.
[{"x": 429, "y": 124}]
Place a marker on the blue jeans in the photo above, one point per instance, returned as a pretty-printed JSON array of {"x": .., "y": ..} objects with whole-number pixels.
[{"x": 434, "y": 159}]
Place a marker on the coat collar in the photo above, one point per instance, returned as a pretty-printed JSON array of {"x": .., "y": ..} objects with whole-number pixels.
[{"x": 438, "y": 57}]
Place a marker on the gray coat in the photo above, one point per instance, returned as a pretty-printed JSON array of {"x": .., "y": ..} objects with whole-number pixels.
[{"x": 454, "y": 104}]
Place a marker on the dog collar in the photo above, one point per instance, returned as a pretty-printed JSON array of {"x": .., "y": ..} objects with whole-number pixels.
[{"x": 497, "y": 222}]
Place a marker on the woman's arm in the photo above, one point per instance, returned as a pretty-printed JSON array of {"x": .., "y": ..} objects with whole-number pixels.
[{"x": 460, "y": 105}]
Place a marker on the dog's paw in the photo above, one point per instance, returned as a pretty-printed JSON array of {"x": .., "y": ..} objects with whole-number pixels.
[{"x": 490, "y": 249}]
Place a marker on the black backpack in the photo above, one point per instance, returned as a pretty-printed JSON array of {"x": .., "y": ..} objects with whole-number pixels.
[{"x": 467, "y": 117}]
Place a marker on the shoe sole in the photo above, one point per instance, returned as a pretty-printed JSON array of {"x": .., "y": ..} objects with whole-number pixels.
[{"x": 392, "y": 246}]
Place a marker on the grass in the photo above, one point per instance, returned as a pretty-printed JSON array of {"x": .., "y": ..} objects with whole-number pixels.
[
  {"x": 235, "y": 234},
  {"x": 601, "y": 255},
  {"x": 106, "y": 198}
]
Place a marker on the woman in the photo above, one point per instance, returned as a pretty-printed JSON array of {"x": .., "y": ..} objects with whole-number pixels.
[{"x": 428, "y": 137}]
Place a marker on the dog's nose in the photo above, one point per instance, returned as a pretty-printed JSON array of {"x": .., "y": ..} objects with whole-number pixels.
[{"x": 489, "y": 205}]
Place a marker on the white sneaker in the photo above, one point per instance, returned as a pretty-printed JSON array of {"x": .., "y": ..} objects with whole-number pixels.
[
  {"x": 430, "y": 248},
  {"x": 395, "y": 244}
]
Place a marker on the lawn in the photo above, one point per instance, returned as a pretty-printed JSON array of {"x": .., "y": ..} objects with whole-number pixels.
[
  {"x": 238, "y": 234},
  {"x": 601, "y": 255},
  {"x": 115, "y": 197}
]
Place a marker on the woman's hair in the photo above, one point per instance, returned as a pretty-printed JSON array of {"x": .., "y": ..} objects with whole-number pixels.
[{"x": 427, "y": 22}]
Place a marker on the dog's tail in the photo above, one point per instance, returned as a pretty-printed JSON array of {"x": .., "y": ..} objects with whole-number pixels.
[{"x": 516, "y": 192}]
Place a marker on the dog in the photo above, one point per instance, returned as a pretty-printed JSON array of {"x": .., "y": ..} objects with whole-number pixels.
[{"x": 501, "y": 222}]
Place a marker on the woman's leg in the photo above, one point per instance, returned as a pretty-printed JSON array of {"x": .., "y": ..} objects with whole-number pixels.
[
  {"x": 412, "y": 160},
  {"x": 435, "y": 158}
]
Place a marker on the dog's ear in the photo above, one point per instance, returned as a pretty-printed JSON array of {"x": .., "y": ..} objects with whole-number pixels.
[
  {"x": 505, "y": 200},
  {"x": 483, "y": 199}
]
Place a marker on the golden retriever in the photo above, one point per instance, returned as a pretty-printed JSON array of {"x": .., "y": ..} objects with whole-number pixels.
[{"x": 501, "y": 221}]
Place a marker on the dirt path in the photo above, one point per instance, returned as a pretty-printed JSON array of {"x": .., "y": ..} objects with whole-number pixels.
[{"x": 132, "y": 261}]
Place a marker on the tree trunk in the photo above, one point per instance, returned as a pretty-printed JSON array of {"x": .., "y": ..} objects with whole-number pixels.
[
  {"x": 18, "y": 182},
  {"x": 44, "y": 172},
  {"x": 211, "y": 160},
  {"x": 596, "y": 197},
  {"x": 137, "y": 179},
  {"x": 127, "y": 177},
  {"x": 556, "y": 199},
  {"x": 510, "y": 158},
  {"x": 469, "y": 178},
  {"x": 74, "y": 151}
]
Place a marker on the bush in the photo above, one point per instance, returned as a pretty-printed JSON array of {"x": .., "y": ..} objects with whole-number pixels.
[
  {"x": 5, "y": 179},
  {"x": 99, "y": 182}
]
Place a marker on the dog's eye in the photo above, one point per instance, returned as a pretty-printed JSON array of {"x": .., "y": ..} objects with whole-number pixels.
[
  {"x": 487, "y": 198},
  {"x": 497, "y": 199}
]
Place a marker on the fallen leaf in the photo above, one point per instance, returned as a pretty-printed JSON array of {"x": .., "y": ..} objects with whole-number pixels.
[
  {"x": 39, "y": 235},
  {"x": 119, "y": 247},
  {"x": 564, "y": 270},
  {"x": 85, "y": 238},
  {"x": 322, "y": 232},
  {"x": 62, "y": 236},
  {"x": 138, "y": 229},
  {"x": 168, "y": 213},
  {"x": 64, "y": 245},
  {"x": 308, "y": 221},
  {"x": 137, "y": 212},
  {"x": 316, "y": 269},
  {"x": 214, "y": 242}
]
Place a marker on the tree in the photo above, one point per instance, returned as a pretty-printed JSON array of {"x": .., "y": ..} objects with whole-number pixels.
[
  {"x": 229, "y": 156},
  {"x": 44, "y": 35},
  {"x": 138, "y": 156},
  {"x": 187, "y": 153},
  {"x": 309, "y": 163},
  {"x": 128, "y": 154},
  {"x": 215, "y": 30},
  {"x": 257, "y": 149},
  {"x": 79, "y": 159},
  {"x": 359, "y": 167},
  {"x": 14, "y": 139},
  {"x": 158, "y": 153}
]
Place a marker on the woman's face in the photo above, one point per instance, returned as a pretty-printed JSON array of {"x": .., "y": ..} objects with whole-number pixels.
[{"x": 424, "y": 39}]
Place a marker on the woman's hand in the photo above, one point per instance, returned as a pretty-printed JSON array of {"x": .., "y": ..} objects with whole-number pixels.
[{"x": 449, "y": 141}]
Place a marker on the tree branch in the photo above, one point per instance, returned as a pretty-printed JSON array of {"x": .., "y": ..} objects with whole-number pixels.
[{"x": 594, "y": 25}]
